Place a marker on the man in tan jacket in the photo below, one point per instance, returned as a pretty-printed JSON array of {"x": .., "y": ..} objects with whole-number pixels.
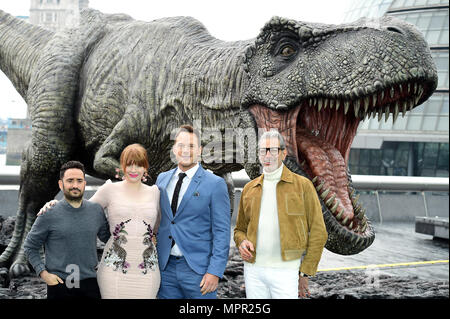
[{"x": 279, "y": 229}]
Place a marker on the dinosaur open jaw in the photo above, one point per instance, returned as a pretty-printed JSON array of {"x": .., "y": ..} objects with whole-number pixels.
[
  {"x": 323, "y": 140},
  {"x": 319, "y": 132}
]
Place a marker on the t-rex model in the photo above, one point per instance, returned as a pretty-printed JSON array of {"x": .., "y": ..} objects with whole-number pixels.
[{"x": 114, "y": 81}]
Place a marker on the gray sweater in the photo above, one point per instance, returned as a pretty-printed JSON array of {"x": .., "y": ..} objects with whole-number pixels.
[{"x": 69, "y": 236}]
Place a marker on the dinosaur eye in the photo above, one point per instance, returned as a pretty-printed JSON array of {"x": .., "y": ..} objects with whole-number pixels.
[{"x": 287, "y": 51}]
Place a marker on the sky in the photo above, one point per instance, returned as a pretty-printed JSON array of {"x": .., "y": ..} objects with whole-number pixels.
[{"x": 228, "y": 20}]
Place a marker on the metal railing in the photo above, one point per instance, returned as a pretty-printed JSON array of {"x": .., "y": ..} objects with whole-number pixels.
[
  {"x": 374, "y": 183},
  {"x": 378, "y": 183}
]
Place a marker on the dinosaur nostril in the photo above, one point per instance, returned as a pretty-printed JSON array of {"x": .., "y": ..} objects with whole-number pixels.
[{"x": 395, "y": 29}]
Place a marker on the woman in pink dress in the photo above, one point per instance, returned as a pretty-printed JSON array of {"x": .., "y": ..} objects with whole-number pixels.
[{"x": 129, "y": 265}]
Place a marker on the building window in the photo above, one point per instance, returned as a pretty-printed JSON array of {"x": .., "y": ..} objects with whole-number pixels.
[
  {"x": 48, "y": 17},
  {"x": 433, "y": 25},
  {"x": 402, "y": 159}
]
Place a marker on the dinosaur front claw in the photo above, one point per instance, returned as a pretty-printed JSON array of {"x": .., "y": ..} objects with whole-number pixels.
[{"x": 19, "y": 268}]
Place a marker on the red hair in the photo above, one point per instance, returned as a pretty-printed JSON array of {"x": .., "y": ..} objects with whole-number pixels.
[{"x": 134, "y": 154}]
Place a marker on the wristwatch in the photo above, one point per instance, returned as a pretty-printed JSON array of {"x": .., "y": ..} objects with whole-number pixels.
[{"x": 302, "y": 274}]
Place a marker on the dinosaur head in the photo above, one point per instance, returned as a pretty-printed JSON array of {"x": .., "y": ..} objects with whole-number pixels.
[{"x": 315, "y": 83}]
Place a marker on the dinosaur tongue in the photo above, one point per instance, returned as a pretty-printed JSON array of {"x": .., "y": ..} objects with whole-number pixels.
[
  {"x": 320, "y": 141},
  {"x": 326, "y": 162}
]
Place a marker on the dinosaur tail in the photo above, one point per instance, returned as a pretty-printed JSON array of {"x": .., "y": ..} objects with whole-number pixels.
[{"x": 20, "y": 46}]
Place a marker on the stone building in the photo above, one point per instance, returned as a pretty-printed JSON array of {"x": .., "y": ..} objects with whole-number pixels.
[
  {"x": 56, "y": 14},
  {"x": 19, "y": 133}
]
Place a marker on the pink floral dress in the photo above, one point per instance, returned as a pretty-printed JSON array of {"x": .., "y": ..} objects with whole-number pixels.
[{"x": 129, "y": 265}]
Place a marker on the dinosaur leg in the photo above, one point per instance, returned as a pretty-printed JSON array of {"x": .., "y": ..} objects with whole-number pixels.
[
  {"x": 38, "y": 185},
  {"x": 53, "y": 88},
  {"x": 230, "y": 185}
]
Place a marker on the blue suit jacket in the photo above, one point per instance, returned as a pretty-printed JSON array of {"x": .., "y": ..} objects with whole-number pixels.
[{"x": 201, "y": 226}]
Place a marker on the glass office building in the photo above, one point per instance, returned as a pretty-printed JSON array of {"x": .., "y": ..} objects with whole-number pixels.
[{"x": 417, "y": 144}]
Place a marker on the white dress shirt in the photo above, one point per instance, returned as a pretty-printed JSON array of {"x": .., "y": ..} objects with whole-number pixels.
[{"x": 184, "y": 186}]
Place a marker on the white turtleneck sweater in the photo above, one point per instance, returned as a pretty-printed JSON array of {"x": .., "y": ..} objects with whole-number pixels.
[{"x": 268, "y": 245}]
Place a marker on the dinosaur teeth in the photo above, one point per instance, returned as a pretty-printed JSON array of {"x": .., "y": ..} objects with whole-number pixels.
[
  {"x": 411, "y": 104},
  {"x": 346, "y": 106},
  {"x": 374, "y": 100},
  {"x": 357, "y": 106},
  {"x": 333, "y": 209},
  {"x": 386, "y": 113},
  {"x": 355, "y": 200},
  {"x": 395, "y": 112},
  {"x": 361, "y": 214},
  {"x": 352, "y": 192},
  {"x": 404, "y": 108},
  {"x": 318, "y": 188},
  {"x": 339, "y": 216},
  {"x": 314, "y": 179},
  {"x": 380, "y": 115},
  {"x": 420, "y": 90},
  {"x": 344, "y": 222},
  {"x": 325, "y": 193},
  {"x": 363, "y": 229},
  {"x": 330, "y": 200}
]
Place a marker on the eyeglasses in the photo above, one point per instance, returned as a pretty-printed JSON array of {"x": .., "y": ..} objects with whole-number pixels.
[{"x": 273, "y": 151}]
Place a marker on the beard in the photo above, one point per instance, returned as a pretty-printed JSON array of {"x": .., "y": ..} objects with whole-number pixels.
[
  {"x": 274, "y": 165},
  {"x": 73, "y": 197}
]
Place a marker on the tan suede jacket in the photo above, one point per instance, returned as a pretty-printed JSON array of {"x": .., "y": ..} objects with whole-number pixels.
[{"x": 302, "y": 228}]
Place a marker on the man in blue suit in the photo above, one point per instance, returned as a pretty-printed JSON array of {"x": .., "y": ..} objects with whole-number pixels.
[{"x": 194, "y": 234}]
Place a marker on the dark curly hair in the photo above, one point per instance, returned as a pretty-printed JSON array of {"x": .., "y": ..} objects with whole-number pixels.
[{"x": 69, "y": 165}]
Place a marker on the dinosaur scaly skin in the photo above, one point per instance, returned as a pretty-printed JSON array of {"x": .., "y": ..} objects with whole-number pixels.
[{"x": 114, "y": 81}]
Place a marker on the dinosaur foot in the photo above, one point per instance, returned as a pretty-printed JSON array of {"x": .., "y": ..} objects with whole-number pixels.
[
  {"x": 19, "y": 268},
  {"x": 4, "y": 278}
]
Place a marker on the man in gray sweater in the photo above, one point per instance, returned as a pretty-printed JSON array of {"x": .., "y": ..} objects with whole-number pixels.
[{"x": 69, "y": 233}]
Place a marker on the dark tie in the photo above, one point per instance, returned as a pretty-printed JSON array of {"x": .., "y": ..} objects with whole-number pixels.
[{"x": 176, "y": 193}]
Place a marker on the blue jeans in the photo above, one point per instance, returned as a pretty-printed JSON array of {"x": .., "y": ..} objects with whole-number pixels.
[{"x": 179, "y": 281}]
